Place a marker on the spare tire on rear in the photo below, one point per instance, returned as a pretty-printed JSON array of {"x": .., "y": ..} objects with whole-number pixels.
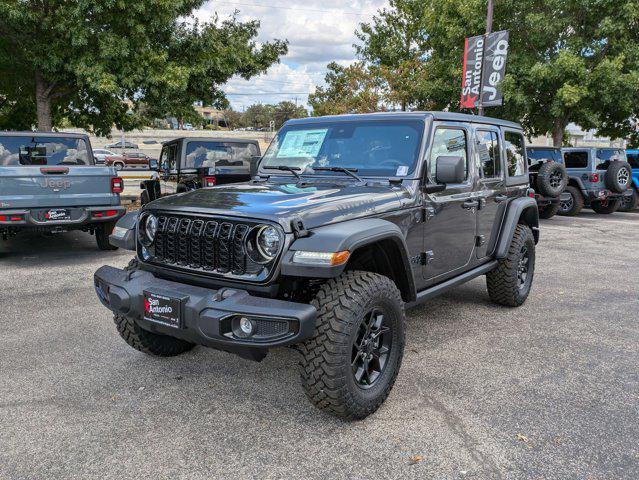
[
  {"x": 618, "y": 176},
  {"x": 552, "y": 179}
]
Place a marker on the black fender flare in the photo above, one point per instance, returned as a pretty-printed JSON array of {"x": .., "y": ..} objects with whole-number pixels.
[
  {"x": 349, "y": 235},
  {"x": 123, "y": 235},
  {"x": 520, "y": 208}
]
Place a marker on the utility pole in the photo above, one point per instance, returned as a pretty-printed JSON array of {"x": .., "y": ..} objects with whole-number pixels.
[{"x": 489, "y": 29}]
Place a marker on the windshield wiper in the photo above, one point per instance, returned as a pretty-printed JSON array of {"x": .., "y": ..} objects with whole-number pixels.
[
  {"x": 284, "y": 168},
  {"x": 349, "y": 171}
]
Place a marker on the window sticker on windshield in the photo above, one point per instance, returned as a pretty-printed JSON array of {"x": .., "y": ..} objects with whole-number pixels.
[
  {"x": 303, "y": 143},
  {"x": 401, "y": 171}
]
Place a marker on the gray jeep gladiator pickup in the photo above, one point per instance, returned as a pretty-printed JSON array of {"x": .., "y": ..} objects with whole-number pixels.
[
  {"x": 348, "y": 220},
  {"x": 49, "y": 183}
]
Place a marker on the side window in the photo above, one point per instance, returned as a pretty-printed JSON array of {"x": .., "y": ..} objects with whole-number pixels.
[
  {"x": 488, "y": 153},
  {"x": 576, "y": 159},
  {"x": 515, "y": 154},
  {"x": 168, "y": 157},
  {"x": 448, "y": 141}
]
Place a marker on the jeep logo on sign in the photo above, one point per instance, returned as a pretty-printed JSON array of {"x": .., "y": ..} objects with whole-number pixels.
[{"x": 55, "y": 184}]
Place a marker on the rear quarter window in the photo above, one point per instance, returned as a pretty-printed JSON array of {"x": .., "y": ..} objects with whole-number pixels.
[
  {"x": 515, "y": 153},
  {"x": 576, "y": 159}
]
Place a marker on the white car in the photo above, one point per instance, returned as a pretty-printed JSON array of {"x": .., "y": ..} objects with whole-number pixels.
[{"x": 101, "y": 153}]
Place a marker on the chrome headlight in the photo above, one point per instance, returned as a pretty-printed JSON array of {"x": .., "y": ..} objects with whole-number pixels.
[
  {"x": 264, "y": 244},
  {"x": 148, "y": 227}
]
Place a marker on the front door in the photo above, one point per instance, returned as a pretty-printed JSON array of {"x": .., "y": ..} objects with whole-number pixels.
[
  {"x": 450, "y": 215},
  {"x": 490, "y": 187}
]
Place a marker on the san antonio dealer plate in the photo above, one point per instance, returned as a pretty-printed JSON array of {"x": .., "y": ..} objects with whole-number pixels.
[{"x": 162, "y": 309}]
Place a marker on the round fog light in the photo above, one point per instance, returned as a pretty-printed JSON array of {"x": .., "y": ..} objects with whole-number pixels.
[{"x": 246, "y": 326}]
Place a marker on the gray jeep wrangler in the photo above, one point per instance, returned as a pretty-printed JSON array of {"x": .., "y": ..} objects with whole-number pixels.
[
  {"x": 49, "y": 183},
  {"x": 598, "y": 178},
  {"x": 348, "y": 221}
]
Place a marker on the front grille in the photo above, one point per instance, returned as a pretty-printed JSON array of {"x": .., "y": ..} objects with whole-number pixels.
[{"x": 211, "y": 245}]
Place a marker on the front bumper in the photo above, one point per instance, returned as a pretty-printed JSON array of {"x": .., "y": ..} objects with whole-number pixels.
[
  {"x": 35, "y": 217},
  {"x": 207, "y": 315}
]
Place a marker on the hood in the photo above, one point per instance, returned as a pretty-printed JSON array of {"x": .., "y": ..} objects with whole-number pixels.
[{"x": 315, "y": 204}]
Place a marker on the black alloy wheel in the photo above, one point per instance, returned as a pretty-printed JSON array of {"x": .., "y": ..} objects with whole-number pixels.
[{"x": 371, "y": 348}]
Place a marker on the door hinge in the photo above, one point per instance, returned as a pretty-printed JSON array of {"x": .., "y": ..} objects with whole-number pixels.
[
  {"x": 480, "y": 240},
  {"x": 427, "y": 213},
  {"x": 426, "y": 257}
]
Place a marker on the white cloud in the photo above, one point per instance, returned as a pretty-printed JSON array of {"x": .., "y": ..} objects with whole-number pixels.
[{"x": 318, "y": 33}]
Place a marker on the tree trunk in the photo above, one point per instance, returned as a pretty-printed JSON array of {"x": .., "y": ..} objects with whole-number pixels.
[
  {"x": 558, "y": 128},
  {"x": 43, "y": 104}
]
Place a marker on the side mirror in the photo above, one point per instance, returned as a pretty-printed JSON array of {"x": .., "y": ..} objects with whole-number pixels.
[
  {"x": 153, "y": 164},
  {"x": 255, "y": 163},
  {"x": 450, "y": 169}
]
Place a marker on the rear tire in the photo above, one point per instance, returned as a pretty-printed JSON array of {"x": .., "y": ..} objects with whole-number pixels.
[
  {"x": 574, "y": 205},
  {"x": 629, "y": 202},
  {"x": 549, "y": 211},
  {"x": 350, "y": 364},
  {"x": 618, "y": 176},
  {"x": 102, "y": 233},
  {"x": 510, "y": 282},
  {"x": 607, "y": 207}
]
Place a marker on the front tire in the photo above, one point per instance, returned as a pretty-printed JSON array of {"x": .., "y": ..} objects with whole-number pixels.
[
  {"x": 606, "y": 207},
  {"x": 102, "y": 233},
  {"x": 630, "y": 201},
  {"x": 571, "y": 202},
  {"x": 510, "y": 282},
  {"x": 549, "y": 211},
  {"x": 350, "y": 365}
]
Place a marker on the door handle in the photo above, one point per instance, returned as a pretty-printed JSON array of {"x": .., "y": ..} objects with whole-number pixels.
[
  {"x": 501, "y": 198},
  {"x": 470, "y": 204}
]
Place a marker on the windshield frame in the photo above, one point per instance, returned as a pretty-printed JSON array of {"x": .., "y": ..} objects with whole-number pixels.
[{"x": 423, "y": 124}]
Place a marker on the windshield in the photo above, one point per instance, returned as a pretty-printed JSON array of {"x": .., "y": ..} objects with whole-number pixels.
[
  {"x": 27, "y": 150},
  {"x": 375, "y": 148},
  {"x": 201, "y": 154}
]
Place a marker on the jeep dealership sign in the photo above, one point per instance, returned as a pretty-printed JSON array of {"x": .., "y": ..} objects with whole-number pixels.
[{"x": 484, "y": 69}]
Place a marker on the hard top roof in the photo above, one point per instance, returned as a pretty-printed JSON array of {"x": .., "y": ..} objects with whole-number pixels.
[
  {"x": 443, "y": 116},
  {"x": 9, "y": 133},
  {"x": 213, "y": 139}
]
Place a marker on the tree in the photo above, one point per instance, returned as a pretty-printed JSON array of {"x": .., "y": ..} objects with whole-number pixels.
[
  {"x": 83, "y": 59},
  {"x": 568, "y": 61},
  {"x": 284, "y": 111},
  {"x": 352, "y": 89},
  {"x": 395, "y": 45}
]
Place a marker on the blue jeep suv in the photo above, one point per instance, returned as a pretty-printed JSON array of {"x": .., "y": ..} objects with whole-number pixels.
[
  {"x": 598, "y": 178},
  {"x": 631, "y": 199}
]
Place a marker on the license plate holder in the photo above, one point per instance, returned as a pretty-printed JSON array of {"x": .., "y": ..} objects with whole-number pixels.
[
  {"x": 57, "y": 214},
  {"x": 163, "y": 309}
]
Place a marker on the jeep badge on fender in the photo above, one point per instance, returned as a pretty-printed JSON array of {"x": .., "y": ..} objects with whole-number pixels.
[{"x": 348, "y": 220}]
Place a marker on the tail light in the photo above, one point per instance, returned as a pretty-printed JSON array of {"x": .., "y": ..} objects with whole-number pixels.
[
  {"x": 11, "y": 218},
  {"x": 210, "y": 181},
  {"x": 594, "y": 177},
  {"x": 106, "y": 213},
  {"x": 117, "y": 185}
]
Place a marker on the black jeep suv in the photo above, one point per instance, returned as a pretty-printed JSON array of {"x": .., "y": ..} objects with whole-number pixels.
[
  {"x": 348, "y": 220},
  {"x": 548, "y": 177}
]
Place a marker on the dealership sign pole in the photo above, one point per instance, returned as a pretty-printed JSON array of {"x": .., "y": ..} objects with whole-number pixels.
[{"x": 484, "y": 67}]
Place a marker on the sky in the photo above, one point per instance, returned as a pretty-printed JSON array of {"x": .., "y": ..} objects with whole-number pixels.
[{"x": 318, "y": 33}]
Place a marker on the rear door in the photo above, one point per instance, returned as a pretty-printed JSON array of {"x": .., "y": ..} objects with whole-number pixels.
[
  {"x": 490, "y": 186},
  {"x": 449, "y": 231},
  {"x": 51, "y": 172}
]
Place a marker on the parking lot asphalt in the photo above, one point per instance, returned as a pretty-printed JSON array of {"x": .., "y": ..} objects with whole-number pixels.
[{"x": 549, "y": 390}]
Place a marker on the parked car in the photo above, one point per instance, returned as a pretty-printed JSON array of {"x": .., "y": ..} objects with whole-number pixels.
[
  {"x": 630, "y": 200},
  {"x": 131, "y": 159},
  {"x": 349, "y": 219},
  {"x": 100, "y": 155},
  {"x": 548, "y": 177},
  {"x": 598, "y": 178},
  {"x": 49, "y": 183},
  {"x": 187, "y": 163},
  {"x": 121, "y": 145}
]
